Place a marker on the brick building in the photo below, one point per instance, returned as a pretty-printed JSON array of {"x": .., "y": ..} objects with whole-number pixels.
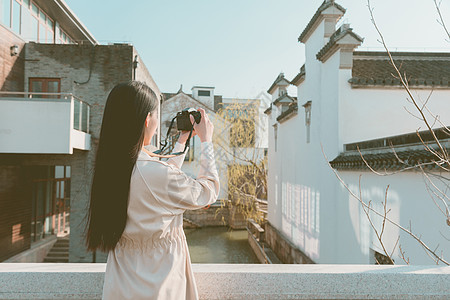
[{"x": 54, "y": 81}]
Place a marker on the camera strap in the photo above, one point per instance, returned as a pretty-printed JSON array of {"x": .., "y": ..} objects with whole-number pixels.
[{"x": 157, "y": 153}]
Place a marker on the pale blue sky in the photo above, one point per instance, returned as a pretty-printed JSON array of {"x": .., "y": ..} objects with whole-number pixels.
[{"x": 240, "y": 46}]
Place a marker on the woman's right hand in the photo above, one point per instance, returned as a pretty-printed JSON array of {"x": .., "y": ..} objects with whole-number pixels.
[{"x": 205, "y": 128}]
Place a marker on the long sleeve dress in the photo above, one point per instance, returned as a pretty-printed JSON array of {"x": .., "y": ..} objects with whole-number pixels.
[{"x": 151, "y": 259}]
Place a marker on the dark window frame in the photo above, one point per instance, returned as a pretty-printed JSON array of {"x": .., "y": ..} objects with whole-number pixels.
[
  {"x": 204, "y": 92},
  {"x": 45, "y": 81}
]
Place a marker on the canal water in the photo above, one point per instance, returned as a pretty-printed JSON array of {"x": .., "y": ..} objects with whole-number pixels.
[{"x": 219, "y": 245}]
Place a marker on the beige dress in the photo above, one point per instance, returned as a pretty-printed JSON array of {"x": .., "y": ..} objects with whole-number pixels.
[{"x": 151, "y": 260}]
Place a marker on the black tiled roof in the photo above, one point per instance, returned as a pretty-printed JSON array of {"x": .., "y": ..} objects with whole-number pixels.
[
  {"x": 291, "y": 111},
  {"x": 335, "y": 37},
  {"x": 382, "y": 153},
  {"x": 400, "y": 140},
  {"x": 293, "y": 99},
  {"x": 299, "y": 77},
  {"x": 421, "y": 69},
  {"x": 384, "y": 160},
  {"x": 325, "y": 5}
]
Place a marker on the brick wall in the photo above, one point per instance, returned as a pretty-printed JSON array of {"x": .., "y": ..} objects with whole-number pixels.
[
  {"x": 15, "y": 211},
  {"x": 284, "y": 250},
  {"x": 89, "y": 72},
  {"x": 213, "y": 216},
  {"x": 89, "y": 66},
  {"x": 11, "y": 67}
]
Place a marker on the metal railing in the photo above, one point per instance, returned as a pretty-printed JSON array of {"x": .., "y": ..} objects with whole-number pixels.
[{"x": 81, "y": 109}]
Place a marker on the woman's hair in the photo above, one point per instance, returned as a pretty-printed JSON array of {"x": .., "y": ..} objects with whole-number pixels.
[{"x": 121, "y": 139}]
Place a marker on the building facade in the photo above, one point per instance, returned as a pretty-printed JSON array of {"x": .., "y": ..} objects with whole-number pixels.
[
  {"x": 346, "y": 98},
  {"x": 53, "y": 88}
]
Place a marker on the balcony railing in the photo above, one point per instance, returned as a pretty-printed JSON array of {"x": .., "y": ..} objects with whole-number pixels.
[
  {"x": 43, "y": 123},
  {"x": 81, "y": 109},
  {"x": 241, "y": 281}
]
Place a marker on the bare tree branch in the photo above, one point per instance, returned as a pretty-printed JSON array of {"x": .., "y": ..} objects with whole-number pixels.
[{"x": 441, "y": 19}]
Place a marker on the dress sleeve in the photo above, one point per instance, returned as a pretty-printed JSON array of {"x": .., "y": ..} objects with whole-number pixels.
[
  {"x": 177, "y": 161},
  {"x": 182, "y": 192}
]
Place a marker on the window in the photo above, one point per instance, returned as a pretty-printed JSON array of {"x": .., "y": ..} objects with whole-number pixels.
[
  {"x": 45, "y": 85},
  {"x": 204, "y": 93},
  {"x": 61, "y": 36},
  {"x": 275, "y": 135},
  {"x": 16, "y": 17},
  {"x": 380, "y": 259},
  {"x": 6, "y": 12},
  {"x": 24, "y": 17},
  {"x": 50, "y": 200},
  {"x": 307, "y": 107}
]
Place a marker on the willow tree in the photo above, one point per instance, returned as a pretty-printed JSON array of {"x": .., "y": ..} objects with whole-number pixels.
[{"x": 238, "y": 139}]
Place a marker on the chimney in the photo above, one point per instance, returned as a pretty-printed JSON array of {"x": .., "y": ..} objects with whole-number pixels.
[{"x": 205, "y": 95}]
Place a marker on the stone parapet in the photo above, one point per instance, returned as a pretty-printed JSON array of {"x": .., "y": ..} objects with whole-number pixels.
[{"x": 241, "y": 281}]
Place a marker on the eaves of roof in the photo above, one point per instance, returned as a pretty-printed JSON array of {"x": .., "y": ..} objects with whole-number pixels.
[
  {"x": 283, "y": 97},
  {"x": 289, "y": 113},
  {"x": 327, "y": 50},
  {"x": 300, "y": 77},
  {"x": 387, "y": 159},
  {"x": 311, "y": 24},
  {"x": 392, "y": 153}
]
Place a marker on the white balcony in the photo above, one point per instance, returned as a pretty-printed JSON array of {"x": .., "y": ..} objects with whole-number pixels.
[{"x": 43, "y": 123}]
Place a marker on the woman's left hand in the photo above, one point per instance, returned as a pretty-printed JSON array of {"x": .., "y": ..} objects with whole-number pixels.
[{"x": 184, "y": 136}]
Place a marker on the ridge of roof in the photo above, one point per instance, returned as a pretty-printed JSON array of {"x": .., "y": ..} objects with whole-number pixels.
[
  {"x": 279, "y": 78},
  {"x": 268, "y": 110},
  {"x": 358, "y": 54},
  {"x": 190, "y": 96},
  {"x": 334, "y": 38},
  {"x": 300, "y": 77},
  {"x": 325, "y": 4}
]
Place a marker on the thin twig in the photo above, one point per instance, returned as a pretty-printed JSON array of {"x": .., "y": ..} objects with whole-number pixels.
[
  {"x": 441, "y": 22},
  {"x": 403, "y": 79},
  {"x": 409, "y": 232}
]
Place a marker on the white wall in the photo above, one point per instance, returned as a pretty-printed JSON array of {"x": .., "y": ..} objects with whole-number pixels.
[
  {"x": 382, "y": 112},
  {"x": 408, "y": 200},
  {"x": 35, "y": 126},
  {"x": 307, "y": 202}
]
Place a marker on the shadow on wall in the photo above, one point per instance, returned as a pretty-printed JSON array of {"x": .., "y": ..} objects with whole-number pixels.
[
  {"x": 300, "y": 209},
  {"x": 13, "y": 74}
]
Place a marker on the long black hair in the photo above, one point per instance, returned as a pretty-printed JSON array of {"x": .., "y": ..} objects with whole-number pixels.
[{"x": 121, "y": 139}]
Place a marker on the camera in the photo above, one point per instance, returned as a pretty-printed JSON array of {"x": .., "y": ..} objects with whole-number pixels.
[{"x": 184, "y": 121}]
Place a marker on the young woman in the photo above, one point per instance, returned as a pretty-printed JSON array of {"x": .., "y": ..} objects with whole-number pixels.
[{"x": 137, "y": 201}]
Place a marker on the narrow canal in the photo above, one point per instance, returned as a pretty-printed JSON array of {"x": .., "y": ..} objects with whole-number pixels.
[{"x": 219, "y": 245}]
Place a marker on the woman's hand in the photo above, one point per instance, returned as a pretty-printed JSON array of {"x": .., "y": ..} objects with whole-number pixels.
[
  {"x": 184, "y": 136},
  {"x": 205, "y": 128}
]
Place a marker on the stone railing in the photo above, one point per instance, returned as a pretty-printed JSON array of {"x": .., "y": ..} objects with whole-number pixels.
[{"x": 224, "y": 281}]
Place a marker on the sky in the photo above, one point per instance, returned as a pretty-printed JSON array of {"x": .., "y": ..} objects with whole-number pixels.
[{"x": 240, "y": 46}]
